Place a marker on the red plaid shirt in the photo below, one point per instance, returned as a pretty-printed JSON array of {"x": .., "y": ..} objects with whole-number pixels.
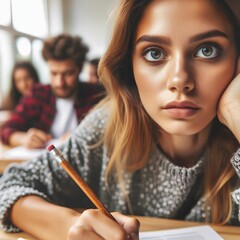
[{"x": 37, "y": 110}]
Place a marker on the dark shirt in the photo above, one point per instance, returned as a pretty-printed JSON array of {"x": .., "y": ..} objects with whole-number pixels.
[{"x": 37, "y": 110}]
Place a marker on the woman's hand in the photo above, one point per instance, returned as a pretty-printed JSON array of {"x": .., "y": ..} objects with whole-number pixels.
[
  {"x": 95, "y": 225},
  {"x": 229, "y": 105}
]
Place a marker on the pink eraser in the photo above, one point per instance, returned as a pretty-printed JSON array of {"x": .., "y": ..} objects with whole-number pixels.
[{"x": 50, "y": 147}]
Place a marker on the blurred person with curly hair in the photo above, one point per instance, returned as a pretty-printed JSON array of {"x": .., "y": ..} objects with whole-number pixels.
[{"x": 50, "y": 111}]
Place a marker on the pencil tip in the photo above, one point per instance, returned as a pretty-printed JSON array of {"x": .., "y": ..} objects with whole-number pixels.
[{"x": 50, "y": 147}]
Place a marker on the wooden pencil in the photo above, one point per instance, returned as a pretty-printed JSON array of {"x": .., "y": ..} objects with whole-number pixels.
[{"x": 78, "y": 180}]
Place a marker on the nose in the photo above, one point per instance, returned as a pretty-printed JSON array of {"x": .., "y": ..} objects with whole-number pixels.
[
  {"x": 181, "y": 79},
  {"x": 59, "y": 80}
]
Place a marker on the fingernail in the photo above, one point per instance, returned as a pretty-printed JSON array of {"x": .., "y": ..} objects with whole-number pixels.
[{"x": 133, "y": 236}]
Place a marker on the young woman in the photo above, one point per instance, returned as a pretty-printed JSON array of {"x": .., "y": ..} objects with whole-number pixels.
[
  {"x": 165, "y": 141},
  {"x": 24, "y": 76}
]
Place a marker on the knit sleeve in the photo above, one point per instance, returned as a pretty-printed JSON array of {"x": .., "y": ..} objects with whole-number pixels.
[
  {"x": 44, "y": 177},
  {"x": 19, "y": 180},
  {"x": 235, "y": 160}
]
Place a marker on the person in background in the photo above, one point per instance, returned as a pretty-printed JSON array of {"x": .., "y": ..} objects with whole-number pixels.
[
  {"x": 92, "y": 71},
  {"x": 24, "y": 76},
  {"x": 53, "y": 110},
  {"x": 165, "y": 141}
]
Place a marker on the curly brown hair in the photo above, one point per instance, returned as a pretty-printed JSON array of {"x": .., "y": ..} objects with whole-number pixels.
[{"x": 63, "y": 47}]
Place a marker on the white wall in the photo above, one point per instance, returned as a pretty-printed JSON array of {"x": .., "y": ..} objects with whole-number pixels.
[
  {"x": 91, "y": 20},
  {"x": 55, "y": 16}
]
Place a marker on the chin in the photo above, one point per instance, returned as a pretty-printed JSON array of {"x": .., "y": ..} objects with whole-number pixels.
[
  {"x": 182, "y": 129},
  {"x": 63, "y": 94},
  {"x": 182, "y": 132}
]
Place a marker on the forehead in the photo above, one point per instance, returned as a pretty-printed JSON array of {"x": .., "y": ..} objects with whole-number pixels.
[
  {"x": 184, "y": 17},
  {"x": 61, "y": 65},
  {"x": 21, "y": 71}
]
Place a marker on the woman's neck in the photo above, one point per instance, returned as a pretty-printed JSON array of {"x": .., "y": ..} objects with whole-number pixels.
[{"x": 184, "y": 151}]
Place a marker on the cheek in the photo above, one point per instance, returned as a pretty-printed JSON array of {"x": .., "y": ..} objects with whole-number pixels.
[
  {"x": 71, "y": 79},
  {"x": 71, "y": 82},
  {"x": 212, "y": 84},
  {"x": 53, "y": 79},
  {"x": 30, "y": 83},
  {"x": 150, "y": 82},
  {"x": 20, "y": 85},
  {"x": 17, "y": 85},
  {"x": 148, "y": 92}
]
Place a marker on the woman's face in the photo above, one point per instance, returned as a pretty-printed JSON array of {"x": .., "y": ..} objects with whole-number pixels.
[
  {"x": 23, "y": 81},
  {"x": 184, "y": 57}
]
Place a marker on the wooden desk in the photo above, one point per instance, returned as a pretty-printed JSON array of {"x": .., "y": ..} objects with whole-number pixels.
[{"x": 151, "y": 224}]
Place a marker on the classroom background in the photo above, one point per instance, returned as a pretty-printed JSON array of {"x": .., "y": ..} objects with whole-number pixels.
[{"x": 24, "y": 24}]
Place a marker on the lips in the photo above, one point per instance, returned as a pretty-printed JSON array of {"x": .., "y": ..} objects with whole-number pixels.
[
  {"x": 184, "y": 104},
  {"x": 181, "y": 110}
]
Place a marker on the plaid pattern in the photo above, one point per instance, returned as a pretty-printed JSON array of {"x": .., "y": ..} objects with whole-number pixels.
[{"x": 37, "y": 110}]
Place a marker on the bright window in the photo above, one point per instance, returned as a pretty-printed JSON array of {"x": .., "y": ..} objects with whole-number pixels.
[
  {"x": 24, "y": 47},
  {"x": 29, "y": 16},
  {"x": 5, "y": 12},
  {"x": 23, "y": 26}
]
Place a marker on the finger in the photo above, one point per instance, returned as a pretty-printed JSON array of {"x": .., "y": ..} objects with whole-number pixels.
[
  {"x": 33, "y": 141},
  {"x": 238, "y": 66},
  {"x": 133, "y": 236},
  {"x": 103, "y": 225},
  {"x": 43, "y": 136},
  {"x": 81, "y": 233},
  {"x": 130, "y": 224},
  {"x": 35, "y": 144}
]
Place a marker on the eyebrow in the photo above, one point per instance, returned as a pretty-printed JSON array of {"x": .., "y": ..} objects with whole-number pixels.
[
  {"x": 155, "y": 39},
  {"x": 167, "y": 41},
  {"x": 209, "y": 34}
]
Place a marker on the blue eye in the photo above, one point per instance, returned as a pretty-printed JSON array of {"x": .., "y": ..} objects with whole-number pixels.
[
  {"x": 208, "y": 51},
  {"x": 153, "y": 55}
]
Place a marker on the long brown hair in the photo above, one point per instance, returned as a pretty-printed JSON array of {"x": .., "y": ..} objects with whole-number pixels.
[{"x": 131, "y": 134}]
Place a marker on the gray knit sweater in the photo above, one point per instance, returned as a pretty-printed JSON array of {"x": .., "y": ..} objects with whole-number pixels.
[{"x": 159, "y": 189}]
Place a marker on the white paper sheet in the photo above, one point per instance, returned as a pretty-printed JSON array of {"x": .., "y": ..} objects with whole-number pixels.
[
  {"x": 22, "y": 153},
  {"x": 189, "y": 233}
]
